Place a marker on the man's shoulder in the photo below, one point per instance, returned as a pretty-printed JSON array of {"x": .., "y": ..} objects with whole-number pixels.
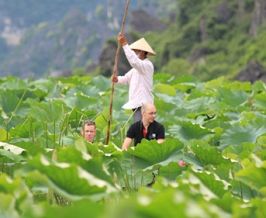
[
  {"x": 148, "y": 62},
  {"x": 157, "y": 124},
  {"x": 133, "y": 130},
  {"x": 136, "y": 124}
]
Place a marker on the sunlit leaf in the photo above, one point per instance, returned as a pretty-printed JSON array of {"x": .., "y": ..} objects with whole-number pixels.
[
  {"x": 216, "y": 187},
  {"x": 227, "y": 202},
  {"x": 7, "y": 206},
  {"x": 70, "y": 180},
  {"x": 92, "y": 165},
  {"x": 260, "y": 101},
  {"x": 253, "y": 176},
  {"x": 165, "y": 89},
  {"x": 76, "y": 209},
  {"x": 3, "y": 135},
  {"x": 208, "y": 154},
  {"x": 154, "y": 153}
]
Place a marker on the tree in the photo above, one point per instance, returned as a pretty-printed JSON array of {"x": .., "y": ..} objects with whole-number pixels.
[{"x": 259, "y": 15}]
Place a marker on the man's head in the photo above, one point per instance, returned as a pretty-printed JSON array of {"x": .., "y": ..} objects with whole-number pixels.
[
  {"x": 148, "y": 112},
  {"x": 88, "y": 130},
  {"x": 142, "y": 45},
  {"x": 141, "y": 54}
]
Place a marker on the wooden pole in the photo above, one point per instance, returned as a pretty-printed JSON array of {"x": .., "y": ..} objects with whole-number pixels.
[{"x": 117, "y": 55}]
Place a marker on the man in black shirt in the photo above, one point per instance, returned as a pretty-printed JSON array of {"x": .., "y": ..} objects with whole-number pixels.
[{"x": 147, "y": 128}]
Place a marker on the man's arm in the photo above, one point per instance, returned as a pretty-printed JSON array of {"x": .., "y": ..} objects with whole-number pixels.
[
  {"x": 141, "y": 66},
  {"x": 122, "y": 79},
  {"x": 126, "y": 143},
  {"x": 161, "y": 134},
  {"x": 160, "y": 141}
]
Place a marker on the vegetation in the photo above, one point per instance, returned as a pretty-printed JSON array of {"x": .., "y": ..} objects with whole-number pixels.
[
  {"x": 58, "y": 36},
  {"x": 212, "y": 163},
  {"x": 207, "y": 39},
  {"x": 47, "y": 170}
]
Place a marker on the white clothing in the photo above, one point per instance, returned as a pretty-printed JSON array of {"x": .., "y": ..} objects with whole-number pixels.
[{"x": 139, "y": 79}]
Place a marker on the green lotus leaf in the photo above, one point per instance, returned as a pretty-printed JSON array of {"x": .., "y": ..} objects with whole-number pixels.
[
  {"x": 8, "y": 206},
  {"x": 232, "y": 98},
  {"x": 11, "y": 153},
  {"x": 260, "y": 101},
  {"x": 253, "y": 176},
  {"x": 4, "y": 135},
  {"x": 213, "y": 84},
  {"x": 201, "y": 105},
  {"x": 207, "y": 154},
  {"x": 42, "y": 87},
  {"x": 51, "y": 111},
  {"x": 221, "y": 82},
  {"x": 70, "y": 180},
  {"x": 8, "y": 101},
  {"x": 208, "y": 180},
  {"x": 140, "y": 164},
  {"x": 13, "y": 83},
  {"x": 94, "y": 166},
  {"x": 75, "y": 209},
  {"x": 165, "y": 107},
  {"x": 240, "y": 151},
  {"x": 8, "y": 185},
  {"x": 27, "y": 129},
  {"x": 81, "y": 101},
  {"x": 241, "y": 190},
  {"x": 31, "y": 147},
  {"x": 155, "y": 153},
  {"x": 262, "y": 142},
  {"x": 238, "y": 134},
  {"x": 149, "y": 203},
  {"x": 258, "y": 205},
  {"x": 75, "y": 80},
  {"x": 14, "y": 196},
  {"x": 185, "y": 86},
  {"x": 102, "y": 119},
  {"x": 87, "y": 90},
  {"x": 187, "y": 131},
  {"x": 171, "y": 171},
  {"x": 227, "y": 202},
  {"x": 130, "y": 175},
  {"x": 205, "y": 122},
  {"x": 259, "y": 86},
  {"x": 12, "y": 148},
  {"x": 163, "y": 77},
  {"x": 238, "y": 85},
  {"x": 101, "y": 82},
  {"x": 253, "y": 210},
  {"x": 165, "y": 89}
]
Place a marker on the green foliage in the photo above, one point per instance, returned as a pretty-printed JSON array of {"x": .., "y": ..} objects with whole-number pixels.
[
  {"x": 206, "y": 39},
  {"x": 213, "y": 155},
  {"x": 225, "y": 48},
  {"x": 177, "y": 66}
]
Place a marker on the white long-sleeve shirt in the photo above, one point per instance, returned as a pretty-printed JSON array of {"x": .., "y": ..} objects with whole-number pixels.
[{"x": 139, "y": 79}]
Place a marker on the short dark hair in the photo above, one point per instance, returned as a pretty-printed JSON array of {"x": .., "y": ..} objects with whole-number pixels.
[{"x": 88, "y": 123}]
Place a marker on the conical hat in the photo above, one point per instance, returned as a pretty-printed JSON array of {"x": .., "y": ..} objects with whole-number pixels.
[{"x": 142, "y": 45}]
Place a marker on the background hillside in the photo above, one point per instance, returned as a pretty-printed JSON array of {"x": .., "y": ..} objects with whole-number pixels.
[
  {"x": 212, "y": 38},
  {"x": 206, "y": 39}
]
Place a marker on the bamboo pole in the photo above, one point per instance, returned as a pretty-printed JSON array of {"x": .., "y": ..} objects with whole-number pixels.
[{"x": 117, "y": 55}]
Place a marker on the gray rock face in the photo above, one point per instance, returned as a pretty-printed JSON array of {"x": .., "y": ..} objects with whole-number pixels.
[{"x": 253, "y": 71}]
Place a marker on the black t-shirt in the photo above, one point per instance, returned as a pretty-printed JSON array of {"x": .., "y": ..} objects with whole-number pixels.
[{"x": 155, "y": 131}]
